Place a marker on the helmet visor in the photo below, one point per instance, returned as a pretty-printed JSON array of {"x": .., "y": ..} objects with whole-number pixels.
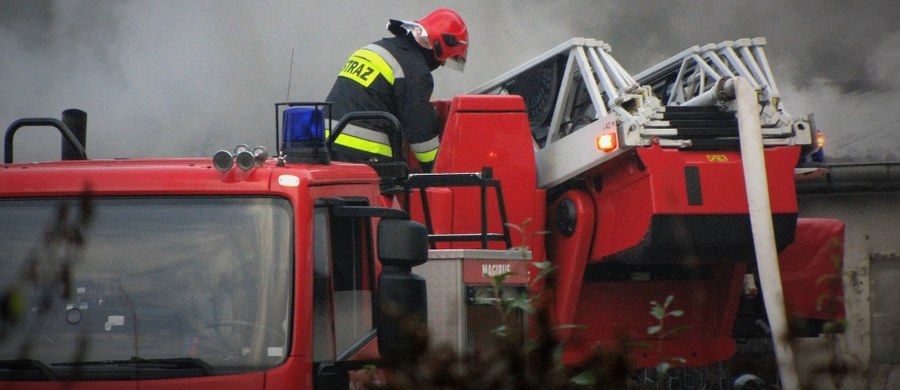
[{"x": 456, "y": 63}]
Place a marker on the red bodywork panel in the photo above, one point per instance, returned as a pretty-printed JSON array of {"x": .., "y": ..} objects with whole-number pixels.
[
  {"x": 811, "y": 270},
  {"x": 622, "y": 210},
  {"x": 488, "y": 131},
  {"x": 161, "y": 177},
  {"x": 701, "y": 336},
  {"x": 654, "y": 182}
]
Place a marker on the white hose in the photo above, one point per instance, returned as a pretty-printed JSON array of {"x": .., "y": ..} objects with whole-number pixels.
[{"x": 761, "y": 224}]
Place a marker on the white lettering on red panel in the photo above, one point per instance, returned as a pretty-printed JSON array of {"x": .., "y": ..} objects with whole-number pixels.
[{"x": 493, "y": 270}]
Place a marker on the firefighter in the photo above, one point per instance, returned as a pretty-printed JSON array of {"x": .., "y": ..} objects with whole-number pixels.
[{"x": 394, "y": 75}]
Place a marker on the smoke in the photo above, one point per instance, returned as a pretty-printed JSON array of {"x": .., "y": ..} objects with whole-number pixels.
[{"x": 172, "y": 78}]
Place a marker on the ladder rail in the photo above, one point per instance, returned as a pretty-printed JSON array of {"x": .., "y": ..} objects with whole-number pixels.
[
  {"x": 588, "y": 69},
  {"x": 562, "y": 100}
]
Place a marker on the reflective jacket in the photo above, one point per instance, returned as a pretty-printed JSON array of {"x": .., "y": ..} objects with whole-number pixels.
[{"x": 390, "y": 75}]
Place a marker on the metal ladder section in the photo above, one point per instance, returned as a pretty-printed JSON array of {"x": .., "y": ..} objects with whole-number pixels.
[
  {"x": 573, "y": 93},
  {"x": 695, "y": 77},
  {"x": 483, "y": 181},
  {"x": 577, "y": 91},
  {"x": 571, "y": 86}
]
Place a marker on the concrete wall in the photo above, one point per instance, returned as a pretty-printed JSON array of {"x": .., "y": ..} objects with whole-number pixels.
[{"x": 867, "y": 198}]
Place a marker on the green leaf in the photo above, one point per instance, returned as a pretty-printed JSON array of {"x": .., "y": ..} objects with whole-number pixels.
[
  {"x": 545, "y": 268},
  {"x": 658, "y": 312},
  {"x": 516, "y": 227},
  {"x": 676, "y": 313},
  {"x": 654, "y": 329},
  {"x": 542, "y": 265},
  {"x": 669, "y": 300},
  {"x": 498, "y": 279},
  {"x": 524, "y": 305},
  {"x": 584, "y": 378},
  {"x": 572, "y": 326}
]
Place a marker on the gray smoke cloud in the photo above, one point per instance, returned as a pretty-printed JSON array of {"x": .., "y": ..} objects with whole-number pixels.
[{"x": 172, "y": 78}]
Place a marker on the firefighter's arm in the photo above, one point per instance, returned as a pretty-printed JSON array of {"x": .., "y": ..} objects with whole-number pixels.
[{"x": 418, "y": 116}]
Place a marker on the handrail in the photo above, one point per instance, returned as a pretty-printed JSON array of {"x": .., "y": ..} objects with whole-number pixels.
[{"x": 38, "y": 122}]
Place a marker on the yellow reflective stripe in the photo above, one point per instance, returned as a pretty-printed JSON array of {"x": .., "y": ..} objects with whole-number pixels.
[
  {"x": 361, "y": 144},
  {"x": 364, "y": 66},
  {"x": 426, "y": 151},
  {"x": 367, "y": 134},
  {"x": 389, "y": 59},
  {"x": 426, "y": 157}
]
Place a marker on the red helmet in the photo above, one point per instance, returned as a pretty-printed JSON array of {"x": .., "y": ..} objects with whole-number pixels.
[{"x": 443, "y": 31}]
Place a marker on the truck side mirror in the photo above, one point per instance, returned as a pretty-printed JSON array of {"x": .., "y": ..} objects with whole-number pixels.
[{"x": 401, "y": 308}]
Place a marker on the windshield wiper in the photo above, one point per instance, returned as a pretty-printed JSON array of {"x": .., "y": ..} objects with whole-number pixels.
[
  {"x": 18, "y": 368},
  {"x": 165, "y": 363},
  {"x": 180, "y": 362}
]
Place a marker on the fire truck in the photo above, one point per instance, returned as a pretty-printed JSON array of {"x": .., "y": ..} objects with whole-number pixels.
[{"x": 244, "y": 270}]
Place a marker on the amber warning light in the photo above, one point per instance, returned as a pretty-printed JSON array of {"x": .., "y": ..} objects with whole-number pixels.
[
  {"x": 820, "y": 140},
  {"x": 607, "y": 142}
]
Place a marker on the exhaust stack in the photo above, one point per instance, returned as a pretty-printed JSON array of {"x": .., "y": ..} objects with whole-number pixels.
[{"x": 76, "y": 121}]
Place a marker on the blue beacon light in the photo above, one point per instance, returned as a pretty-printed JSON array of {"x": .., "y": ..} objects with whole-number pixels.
[{"x": 303, "y": 135}]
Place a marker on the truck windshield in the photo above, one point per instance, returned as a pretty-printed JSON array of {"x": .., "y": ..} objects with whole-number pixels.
[{"x": 149, "y": 285}]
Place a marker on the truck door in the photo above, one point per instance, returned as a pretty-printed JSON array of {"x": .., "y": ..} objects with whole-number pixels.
[{"x": 343, "y": 281}]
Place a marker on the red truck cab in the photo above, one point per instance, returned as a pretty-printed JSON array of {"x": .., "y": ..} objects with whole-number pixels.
[{"x": 196, "y": 273}]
